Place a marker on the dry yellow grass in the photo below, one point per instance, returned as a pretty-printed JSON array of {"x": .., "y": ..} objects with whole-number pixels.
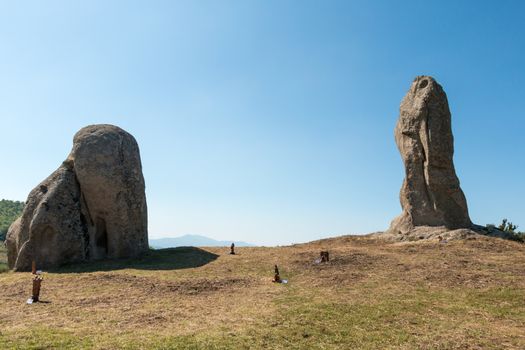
[{"x": 371, "y": 295}]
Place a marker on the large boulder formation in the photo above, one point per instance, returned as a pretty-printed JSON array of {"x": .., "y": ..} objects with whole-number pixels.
[
  {"x": 93, "y": 206},
  {"x": 108, "y": 169},
  {"x": 431, "y": 197}
]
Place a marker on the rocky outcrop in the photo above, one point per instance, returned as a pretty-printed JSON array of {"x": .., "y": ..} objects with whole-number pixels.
[
  {"x": 430, "y": 195},
  {"x": 93, "y": 206}
]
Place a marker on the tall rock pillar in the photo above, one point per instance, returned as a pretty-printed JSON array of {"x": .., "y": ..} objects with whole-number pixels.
[{"x": 430, "y": 195}]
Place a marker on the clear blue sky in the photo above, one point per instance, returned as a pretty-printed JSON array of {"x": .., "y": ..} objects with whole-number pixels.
[{"x": 265, "y": 121}]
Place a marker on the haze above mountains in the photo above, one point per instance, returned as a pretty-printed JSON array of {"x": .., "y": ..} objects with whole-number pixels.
[{"x": 193, "y": 241}]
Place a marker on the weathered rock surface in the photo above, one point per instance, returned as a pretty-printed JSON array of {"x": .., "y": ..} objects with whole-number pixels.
[
  {"x": 431, "y": 195},
  {"x": 93, "y": 206},
  {"x": 108, "y": 168}
]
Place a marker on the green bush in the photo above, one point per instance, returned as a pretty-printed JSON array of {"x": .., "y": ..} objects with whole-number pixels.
[
  {"x": 9, "y": 212},
  {"x": 509, "y": 227}
]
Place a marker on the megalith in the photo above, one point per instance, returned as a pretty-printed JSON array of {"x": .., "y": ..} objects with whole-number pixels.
[
  {"x": 92, "y": 207},
  {"x": 431, "y": 193}
]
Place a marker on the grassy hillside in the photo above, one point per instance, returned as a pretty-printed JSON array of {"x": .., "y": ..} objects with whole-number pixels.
[
  {"x": 371, "y": 295},
  {"x": 9, "y": 212}
]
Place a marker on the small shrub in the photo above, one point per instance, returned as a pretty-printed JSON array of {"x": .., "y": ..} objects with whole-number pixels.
[
  {"x": 509, "y": 228},
  {"x": 3, "y": 268}
]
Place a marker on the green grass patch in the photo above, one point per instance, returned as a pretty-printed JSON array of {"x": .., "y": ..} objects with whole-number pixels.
[
  {"x": 417, "y": 318},
  {"x": 44, "y": 338}
]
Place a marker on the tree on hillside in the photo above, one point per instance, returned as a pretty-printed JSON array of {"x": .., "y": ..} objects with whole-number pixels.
[{"x": 9, "y": 212}]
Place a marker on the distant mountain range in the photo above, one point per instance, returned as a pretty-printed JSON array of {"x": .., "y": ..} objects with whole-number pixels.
[{"x": 193, "y": 241}]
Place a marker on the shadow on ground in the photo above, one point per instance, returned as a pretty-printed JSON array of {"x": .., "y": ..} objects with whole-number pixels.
[{"x": 154, "y": 259}]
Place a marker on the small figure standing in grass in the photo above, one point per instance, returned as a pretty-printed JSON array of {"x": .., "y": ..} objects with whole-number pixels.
[
  {"x": 232, "y": 249},
  {"x": 442, "y": 240},
  {"x": 276, "y": 277},
  {"x": 325, "y": 256},
  {"x": 37, "y": 283}
]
